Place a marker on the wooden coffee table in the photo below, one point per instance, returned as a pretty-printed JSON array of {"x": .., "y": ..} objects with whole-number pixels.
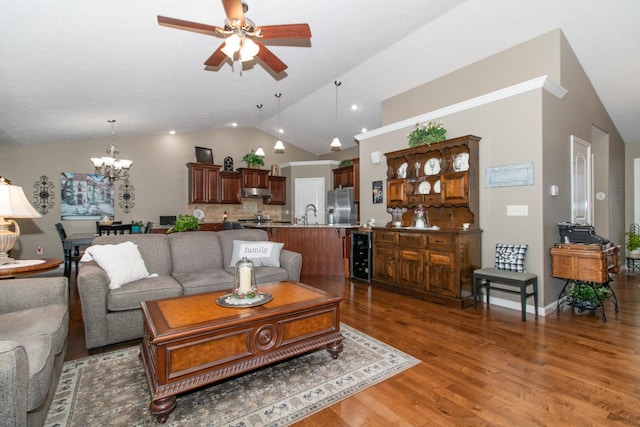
[{"x": 191, "y": 341}]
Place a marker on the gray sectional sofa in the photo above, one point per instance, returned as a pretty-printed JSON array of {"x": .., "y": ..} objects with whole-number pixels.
[
  {"x": 34, "y": 322},
  {"x": 185, "y": 263}
]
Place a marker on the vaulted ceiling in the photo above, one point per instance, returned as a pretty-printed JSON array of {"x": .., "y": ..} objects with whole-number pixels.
[{"x": 67, "y": 67}]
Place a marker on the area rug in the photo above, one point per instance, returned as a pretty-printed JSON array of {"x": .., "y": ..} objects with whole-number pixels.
[{"x": 111, "y": 389}]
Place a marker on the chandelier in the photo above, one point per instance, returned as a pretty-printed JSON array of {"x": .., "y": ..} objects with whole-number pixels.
[{"x": 110, "y": 166}]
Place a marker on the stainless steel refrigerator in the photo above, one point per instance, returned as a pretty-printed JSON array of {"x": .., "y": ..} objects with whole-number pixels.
[{"x": 340, "y": 204}]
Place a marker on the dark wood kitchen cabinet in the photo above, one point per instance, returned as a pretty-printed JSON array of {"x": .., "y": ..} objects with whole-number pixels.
[
  {"x": 203, "y": 183},
  {"x": 254, "y": 178},
  {"x": 230, "y": 189},
  {"x": 278, "y": 190}
]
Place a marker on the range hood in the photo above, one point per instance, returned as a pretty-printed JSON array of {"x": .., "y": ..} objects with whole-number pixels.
[{"x": 259, "y": 193}]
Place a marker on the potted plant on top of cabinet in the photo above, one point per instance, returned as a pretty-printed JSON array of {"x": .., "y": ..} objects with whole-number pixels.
[{"x": 253, "y": 160}]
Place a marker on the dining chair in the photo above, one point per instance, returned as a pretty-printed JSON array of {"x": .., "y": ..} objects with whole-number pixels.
[
  {"x": 115, "y": 228},
  {"x": 70, "y": 255},
  {"x": 98, "y": 225}
]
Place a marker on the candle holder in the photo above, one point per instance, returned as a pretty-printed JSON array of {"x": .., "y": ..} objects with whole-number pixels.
[{"x": 245, "y": 280}]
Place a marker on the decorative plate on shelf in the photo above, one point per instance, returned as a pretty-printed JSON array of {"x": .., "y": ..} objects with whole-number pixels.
[
  {"x": 229, "y": 300},
  {"x": 432, "y": 166},
  {"x": 402, "y": 170},
  {"x": 198, "y": 213},
  {"x": 424, "y": 187},
  {"x": 436, "y": 187}
]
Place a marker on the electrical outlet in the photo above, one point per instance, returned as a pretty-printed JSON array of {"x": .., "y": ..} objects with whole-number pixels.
[
  {"x": 39, "y": 251},
  {"x": 517, "y": 210}
]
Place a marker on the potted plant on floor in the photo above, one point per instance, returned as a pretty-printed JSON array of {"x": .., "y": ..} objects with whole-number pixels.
[
  {"x": 585, "y": 296},
  {"x": 185, "y": 223},
  {"x": 633, "y": 241}
]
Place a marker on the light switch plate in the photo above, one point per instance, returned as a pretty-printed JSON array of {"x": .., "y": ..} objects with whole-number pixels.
[{"x": 517, "y": 210}]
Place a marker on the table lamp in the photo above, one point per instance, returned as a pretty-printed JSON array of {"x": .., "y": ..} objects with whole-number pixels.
[{"x": 14, "y": 204}]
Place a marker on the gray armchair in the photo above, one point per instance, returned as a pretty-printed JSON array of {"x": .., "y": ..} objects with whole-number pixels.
[{"x": 34, "y": 321}]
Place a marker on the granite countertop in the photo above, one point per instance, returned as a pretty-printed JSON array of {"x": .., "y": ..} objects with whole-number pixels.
[{"x": 289, "y": 225}]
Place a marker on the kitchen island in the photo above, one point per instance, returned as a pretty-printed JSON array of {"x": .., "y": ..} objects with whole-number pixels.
[{"x": 324, "y": 248}]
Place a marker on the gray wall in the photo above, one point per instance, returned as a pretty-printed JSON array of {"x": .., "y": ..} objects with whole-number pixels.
[{"x": 530, "y": 127}]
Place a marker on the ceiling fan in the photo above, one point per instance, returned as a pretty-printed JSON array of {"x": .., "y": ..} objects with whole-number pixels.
[{"x": 239, "y": 33}]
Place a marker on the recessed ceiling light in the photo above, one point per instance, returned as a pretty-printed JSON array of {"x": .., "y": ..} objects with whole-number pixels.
[
  {"x": 354, "y": 107},
  {"x": 234, "y": 124},
  {"x": 172, "y": 132},
  {"x": 281, "y": 130},
  {"x": 364, "y": 130}
]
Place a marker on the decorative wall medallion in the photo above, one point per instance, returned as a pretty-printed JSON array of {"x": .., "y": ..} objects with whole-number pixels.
[
  {"x": 126, "y": 196},
  {"x": 43, "y": 194}
]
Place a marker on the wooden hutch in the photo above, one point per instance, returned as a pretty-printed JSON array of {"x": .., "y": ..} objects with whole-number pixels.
[{"x": 435, "y": 264}]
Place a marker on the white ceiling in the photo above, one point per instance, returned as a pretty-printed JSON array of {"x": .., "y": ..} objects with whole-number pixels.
[{"x": 67, "y": 67}]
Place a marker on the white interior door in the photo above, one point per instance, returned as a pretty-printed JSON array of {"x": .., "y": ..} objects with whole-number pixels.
[
  {"x": 310, "y": 190},
  {"x": 581, "y": 181}
]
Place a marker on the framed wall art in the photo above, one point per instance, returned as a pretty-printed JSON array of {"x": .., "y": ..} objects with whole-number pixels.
[
  {"x": 377, "y": 193},
  {"x": 204, "y": 155},
  {"x": 85, "y": 196}
]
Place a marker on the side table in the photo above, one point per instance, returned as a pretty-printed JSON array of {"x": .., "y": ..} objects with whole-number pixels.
[{"x": 9, "y": 271}]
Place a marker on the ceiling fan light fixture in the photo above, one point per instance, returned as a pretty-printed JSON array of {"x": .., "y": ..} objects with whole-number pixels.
[
  {"x": 231, "y": 45},
  {"x": 248, "y": 49}
]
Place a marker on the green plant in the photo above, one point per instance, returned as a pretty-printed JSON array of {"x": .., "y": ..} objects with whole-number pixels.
[
  {"x": 344, "y": 163},
  {"x": 185, "y": 223},
  {"x": 137, "y": 223},
  {"x": 427, "y": 134},
  {"x": 633, "y": 241},
  {"x": 584, "y": 294},
  {"x": 253, "y": 159}
]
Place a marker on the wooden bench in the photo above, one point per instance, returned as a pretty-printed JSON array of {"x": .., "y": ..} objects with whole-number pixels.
[{"x": 488, "y": 277}]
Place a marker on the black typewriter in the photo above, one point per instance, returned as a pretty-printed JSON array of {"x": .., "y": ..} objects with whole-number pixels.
[{"x": 580, "y": 233}]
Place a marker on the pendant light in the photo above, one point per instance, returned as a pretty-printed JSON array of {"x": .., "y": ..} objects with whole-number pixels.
[
  {"x": 260, "y": 151},
  {"x": 279, "y": 147},
  {"x": 335, "y": 144}
]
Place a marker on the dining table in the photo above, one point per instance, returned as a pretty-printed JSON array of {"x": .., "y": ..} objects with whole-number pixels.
[{"x": 74, "y": 242}]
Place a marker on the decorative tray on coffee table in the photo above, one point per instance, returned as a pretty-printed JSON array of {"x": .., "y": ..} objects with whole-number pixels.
[{"x": 231, "y": 300}]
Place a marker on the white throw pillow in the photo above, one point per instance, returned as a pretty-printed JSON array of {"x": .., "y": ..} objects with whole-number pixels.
[
  {"x": 122, "y": 262},
  {"x": 260, "y": 253}
]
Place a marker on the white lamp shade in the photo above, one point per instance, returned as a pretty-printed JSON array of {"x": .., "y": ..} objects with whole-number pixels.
[
  {"x": 279, "y": 146},
  {"x": 109, "y": 161},
  {"x": 260, "y": 152},
  {"x": 97, "y": 162},
  {"x": 248, "y": 50},
  {"x": 231, "y": 45},
  {"x": 125, "y": 164},
  {"x": 336, "y": 143},
  {"x": 14, "y": 204}
]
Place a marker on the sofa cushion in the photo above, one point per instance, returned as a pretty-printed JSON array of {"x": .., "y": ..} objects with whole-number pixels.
[
  {"x": 259, "y": 252},
  {"x": 154, "y": 249},
  {"x": 122, "y": 262},
  {"x": 228, "y": 236},
  {"x": 40, "y": 356},
  {"x": 129, "y": 296},
  {"x": 51, "y": 320},
  {"x": 199, "y": 282},
  {"x": 270, "y": 275},
  {"x": 195, "y": 252}
]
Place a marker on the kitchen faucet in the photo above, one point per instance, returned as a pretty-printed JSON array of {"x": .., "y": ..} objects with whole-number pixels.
[{"x": 312, "y": 207}]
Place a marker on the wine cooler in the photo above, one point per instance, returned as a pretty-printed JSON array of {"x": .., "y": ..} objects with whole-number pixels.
[{"x": 361, "y": 255}]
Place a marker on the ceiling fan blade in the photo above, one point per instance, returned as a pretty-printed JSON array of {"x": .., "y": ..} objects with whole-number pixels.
[
  {"x": 216, "y": 57},
  {"x": 210, "y": 30},
  {"x": 233, "y": 10},
  {"x": 290, "y": 31},
  {"x": 270, "y": 59}
]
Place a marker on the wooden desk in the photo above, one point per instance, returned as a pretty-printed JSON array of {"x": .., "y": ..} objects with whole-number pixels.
[{"x": 48, "y": 264}]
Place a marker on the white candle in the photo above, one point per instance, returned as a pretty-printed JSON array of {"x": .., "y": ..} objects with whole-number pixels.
[{"x": 245, "y": 280}]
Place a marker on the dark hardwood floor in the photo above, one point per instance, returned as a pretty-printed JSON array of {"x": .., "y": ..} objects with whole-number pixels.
[{"x": 483, "y": 366}]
